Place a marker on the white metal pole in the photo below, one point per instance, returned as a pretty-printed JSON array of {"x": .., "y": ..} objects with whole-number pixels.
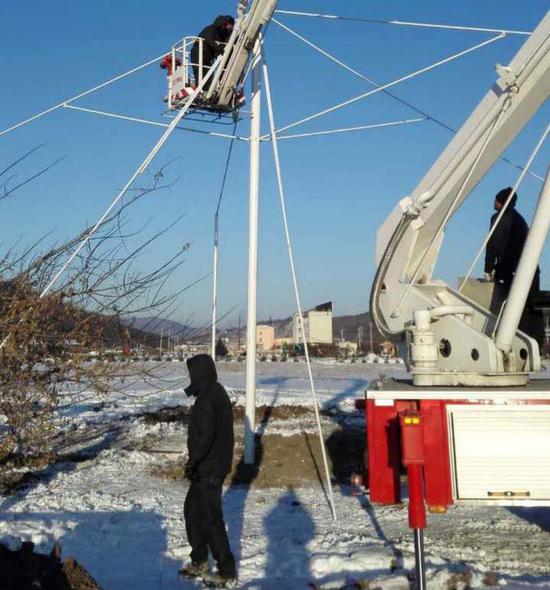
[
  {"x": 526, "y": 270},
  {"x": 300, "y": 314},
  {"x": 215, "y": 286},
  {"x": 81, "y": 95},
  {"x": 139, "y": 171},
  {"x": 253, "y": 220},
  {"x": 370, "y": 328},
  {"x": 216, "y": 251},
  {"x": 404, "y": 23}
]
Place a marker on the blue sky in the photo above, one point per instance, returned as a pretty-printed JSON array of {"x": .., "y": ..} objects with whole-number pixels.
[{"x": 339, "y": 188}]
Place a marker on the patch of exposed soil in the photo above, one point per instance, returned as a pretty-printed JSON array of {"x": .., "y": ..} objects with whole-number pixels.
[
  {"x": 266, "y": 413},
  {"x": 173, "y": 414},
  {"x": 288, "y": 460},
  {"x": 26, "y": 570},
  {"x": 460, "y": 581},
  {"x": 17, "y": 472},
  {"x": 281, "y": 460},
  {"x": 263, "y": 413}
]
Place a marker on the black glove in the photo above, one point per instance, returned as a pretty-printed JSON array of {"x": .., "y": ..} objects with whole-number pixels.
[{"x": 190, "y": 471}]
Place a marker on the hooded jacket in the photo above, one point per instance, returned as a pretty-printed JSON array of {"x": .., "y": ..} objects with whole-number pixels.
[
  {"x": 210, "y": 436},
  {"x": 506, "y": 245},
  {"x": 214, "y": 36}
]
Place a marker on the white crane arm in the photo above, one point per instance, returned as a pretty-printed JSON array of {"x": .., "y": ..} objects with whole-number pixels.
[{"x": 408, "y": 243}]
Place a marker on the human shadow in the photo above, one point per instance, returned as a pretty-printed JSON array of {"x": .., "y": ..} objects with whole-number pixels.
[
  {"x": 279, "y": 381},
  {"x": 289, "y": 528},
  {"x": 357, "y": 385},
  {"x": 346, "y": 447},
  {"x": 63, "y": 463},
  {"x": 331, "y": 411},
  {"x": 538, "y": 515},
  {"x": 242, "y": 479},
  {"x": 118, "y": 549}
]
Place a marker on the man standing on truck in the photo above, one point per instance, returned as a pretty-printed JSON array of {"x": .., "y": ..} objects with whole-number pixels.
[
  {"x": 214, "y": 37},
  {"x": 502, "y": 257},
  {"x": 505, "y": 247}
]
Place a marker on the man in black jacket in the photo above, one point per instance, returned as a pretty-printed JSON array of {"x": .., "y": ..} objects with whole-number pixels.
[
  {"x": 505, "y": 247},
  {"x": 214, "y": 37},
  {"x": 210, "y": 454},
  {"x": 502, "y": 257}
]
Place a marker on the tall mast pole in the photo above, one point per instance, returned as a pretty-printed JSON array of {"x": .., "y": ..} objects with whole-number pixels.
[
  {"x": 239, "y": 335},
  {"x": 253, "y": 222}
]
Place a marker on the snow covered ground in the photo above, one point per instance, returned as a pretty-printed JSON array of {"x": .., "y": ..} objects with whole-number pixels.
[{"x": 125, "y": 525}]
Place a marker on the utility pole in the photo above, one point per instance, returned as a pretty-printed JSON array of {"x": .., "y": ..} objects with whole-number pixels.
[
  {"x": 239, "y": 334},
  {"x": 161, "y": 336},
  {"x": 253, "y": 221},
  {"x": 215, "y": 286}
]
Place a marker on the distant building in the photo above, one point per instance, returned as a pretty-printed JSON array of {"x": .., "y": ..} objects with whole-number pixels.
[
  {"x": 317, "y": 325},
  {"x": 265, "y": 337}
]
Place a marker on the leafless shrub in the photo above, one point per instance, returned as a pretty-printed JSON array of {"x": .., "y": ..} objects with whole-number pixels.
[{"x": 45, "y": 338}]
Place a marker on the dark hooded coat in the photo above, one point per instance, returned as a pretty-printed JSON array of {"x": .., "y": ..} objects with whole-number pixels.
[
  {"x": 210, "y": 436},
  {"x": 214, "y": 36},
  {"x": 506, "y": 245}
]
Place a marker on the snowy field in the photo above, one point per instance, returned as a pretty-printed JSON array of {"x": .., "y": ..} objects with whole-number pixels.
[{"x": 125, "y": 525}]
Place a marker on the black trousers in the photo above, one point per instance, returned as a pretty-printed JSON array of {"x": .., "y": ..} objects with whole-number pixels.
[{"x": 205, "y": 526}]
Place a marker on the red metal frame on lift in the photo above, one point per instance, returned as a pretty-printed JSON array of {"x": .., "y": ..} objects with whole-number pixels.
[{"x": 384, "y": 451}]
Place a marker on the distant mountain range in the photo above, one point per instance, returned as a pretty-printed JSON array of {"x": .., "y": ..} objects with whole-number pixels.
[
  {"x": 159, "y": 326},
  {"x": 347, "y": 325}
]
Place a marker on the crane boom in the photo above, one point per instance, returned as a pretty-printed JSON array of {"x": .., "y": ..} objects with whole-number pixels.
[
  {"x": 409, "y": 241},
  {"x": 237, "y": 52}
]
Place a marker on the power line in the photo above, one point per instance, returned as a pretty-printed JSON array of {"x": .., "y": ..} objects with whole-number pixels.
[
  {"x": 149, "y": 122},
  {"x": 394, "y": 83},
  {"x": 402, "y": 101},
  {"x": 403, "y": 23},
  {"x": 82, "y": 94}
]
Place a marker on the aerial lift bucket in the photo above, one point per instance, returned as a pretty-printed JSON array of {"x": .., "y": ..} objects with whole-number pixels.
[{"x": 225, "y": 92}]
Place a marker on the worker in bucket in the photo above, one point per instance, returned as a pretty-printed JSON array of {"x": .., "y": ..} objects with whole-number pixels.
[
  {"x": 214, "y": 37},
  {"x": 502, "y": 257},
  {"x": 210, "y": 454}
]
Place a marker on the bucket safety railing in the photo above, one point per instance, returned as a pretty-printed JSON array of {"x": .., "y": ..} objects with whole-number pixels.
[
  {"x": 184, "y": 75},
  {"x": 181, "y": 75}
]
